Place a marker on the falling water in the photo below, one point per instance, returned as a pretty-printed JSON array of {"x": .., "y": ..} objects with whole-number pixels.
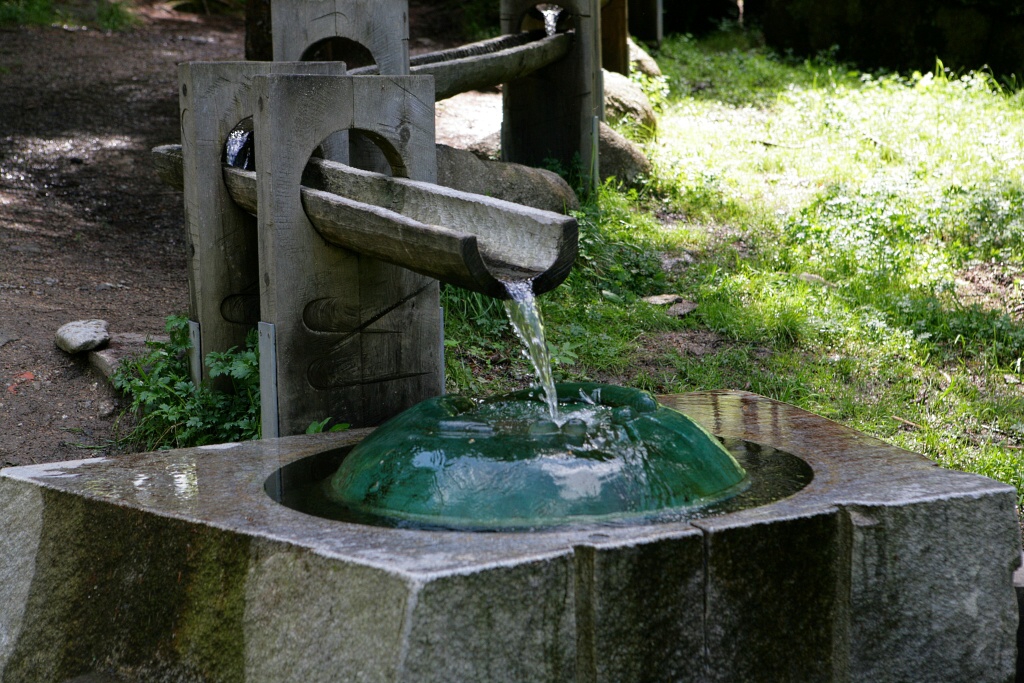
[
  {"x": 551, "y": 14},
  {"x": 525, "y": 317}
]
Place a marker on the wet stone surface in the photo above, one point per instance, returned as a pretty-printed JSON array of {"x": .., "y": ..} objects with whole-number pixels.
[{"x": 883, "y": 567}]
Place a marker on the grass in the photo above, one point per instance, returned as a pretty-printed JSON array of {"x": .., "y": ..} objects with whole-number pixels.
[
  {"x": 854, "y": 242},
  {"x": 105, "y": 15}
]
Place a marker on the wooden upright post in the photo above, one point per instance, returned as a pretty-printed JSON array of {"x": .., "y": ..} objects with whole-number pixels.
[
  {"x": 380, "y": 26},
  {"x": 356, "y": 339},
  {"x": 614, "y": 31},
  {"x": 223, "y": 268},
  {"x": 552, "y": 114},
  {"x": 645, "y": 20}
]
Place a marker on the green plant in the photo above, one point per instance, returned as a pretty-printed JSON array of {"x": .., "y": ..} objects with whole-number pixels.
[
  {"x": 169, "y": 411},
  {"x": 114, "y": 16},
  {"x": 320, "y": 426},
  {"x": 27, "y": 12}
]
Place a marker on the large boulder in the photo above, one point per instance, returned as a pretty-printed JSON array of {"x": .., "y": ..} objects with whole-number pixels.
[
  {"x": 626, "y": 104},
  {"x": 620, "y": 158},
  {"x": 642, "y": 62},
  {"x": 462, "y": 170}
]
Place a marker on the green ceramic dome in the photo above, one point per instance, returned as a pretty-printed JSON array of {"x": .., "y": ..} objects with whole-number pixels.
[{"x": 612, "y": 453}]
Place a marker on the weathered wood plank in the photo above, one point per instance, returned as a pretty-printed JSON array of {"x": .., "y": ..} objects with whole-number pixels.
[
  {"x": 223, "y": 266},
  {"x": 460, "y": 238},
  {"x": 646, "y": 20},
  {"x": 487, "y": 63},
  {"x": 357, "y": 339},
  {"x": 381, "y": 26},
  {"x": 513, "y": 239},
  {"x": 614, "y": 31},
  {"x": 550, "y": 114}
]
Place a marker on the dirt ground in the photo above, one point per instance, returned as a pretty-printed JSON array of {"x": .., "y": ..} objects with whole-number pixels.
[{"x": 86, "y": 228}]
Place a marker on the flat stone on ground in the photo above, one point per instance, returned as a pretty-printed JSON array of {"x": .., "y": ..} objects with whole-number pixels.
[
  {"x": 682, "y": 309},
  {"x": 121, "y": 347},
  {"x": 82, "y": 335},
  {"x": 663, "y": 299}
]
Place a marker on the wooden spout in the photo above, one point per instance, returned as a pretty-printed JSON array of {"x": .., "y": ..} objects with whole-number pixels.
[{"x": 460, "y": 238}]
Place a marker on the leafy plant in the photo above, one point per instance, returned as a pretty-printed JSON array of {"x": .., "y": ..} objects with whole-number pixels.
[
  {"x": 169, "y": 411},
  {"x": 114, "y": 16},
  {"x": 27, "y": 12},
  {"x": 320, "y": 426}
]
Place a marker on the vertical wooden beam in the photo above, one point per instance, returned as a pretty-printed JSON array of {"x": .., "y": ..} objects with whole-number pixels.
[
  {"x": 614, "y": 31},
  {"x": 381, "y": 26},
  {"x": 645, "y": 20},
  {"x": 356, "y": 338},
  {"x": 223, "y": 267},
  {"x": 550, "y": 114}
]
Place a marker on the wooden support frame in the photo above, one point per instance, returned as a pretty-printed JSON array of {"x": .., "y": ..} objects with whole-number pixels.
[
  {"x": 381, "y": 26},
  {"x": 551, "y": 113},
  {"x": 614, "y": 31},
  {"x": 646, "y": 21},
  {"x": 469, "y": 240},
  {"x": 223, "y": 267},
  {"x": 356, "y": 338}
]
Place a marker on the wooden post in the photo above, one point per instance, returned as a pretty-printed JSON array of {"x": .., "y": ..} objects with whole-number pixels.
[
  {"x": 551, "y": 113},
  {"x": 356, "y": 339},
  {"x": 223, "y": 266},
  {"x": 379, "y": 26},
  {"x": 614, "y": 31},
  {"x": 645, "y": 20}
]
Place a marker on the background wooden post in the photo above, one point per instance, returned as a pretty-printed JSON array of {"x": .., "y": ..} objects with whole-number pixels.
[
  {"x": 223, "y": 267},
  {"x": 550, "y": 114},
  {"x": 645, "y": 21},
  {"x": 357, "y": 339},
  {"x": 379, "y": 26},
  {"x": 614, "y": 31}
]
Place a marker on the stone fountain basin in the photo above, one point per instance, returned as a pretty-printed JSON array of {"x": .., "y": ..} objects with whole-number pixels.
[{"x": 177, "y": 566}]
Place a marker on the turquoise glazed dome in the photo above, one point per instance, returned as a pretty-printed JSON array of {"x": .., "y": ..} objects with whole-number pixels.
[{"x": 611, "y": 453}]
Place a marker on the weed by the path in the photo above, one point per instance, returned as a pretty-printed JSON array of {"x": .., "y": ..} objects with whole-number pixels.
[{"x": 169, "y": 411}]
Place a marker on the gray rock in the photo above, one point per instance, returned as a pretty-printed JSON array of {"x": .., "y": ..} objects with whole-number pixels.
[
  {"x": 663, "y": 299},
  {"x": 536, "y": 187},
  {"x": 682, "y": 309},
  {"x": 487, "y": 148},
  {"x": 121, "y": 347},
  {"x": 620, "y": 158},
  {"x": 640, "y": 61},
  {"x": 82, "y": 335},
  {"x": 626, "y": 104}
]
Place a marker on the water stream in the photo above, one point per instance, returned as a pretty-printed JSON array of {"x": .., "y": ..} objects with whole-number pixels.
[
  {"x": 525, "y": 317},
  {"x": 551, "y": 14}
]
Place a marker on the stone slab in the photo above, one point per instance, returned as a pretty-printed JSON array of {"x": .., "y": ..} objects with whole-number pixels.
[
  {"x": 82, "y": 335},
  {"x": 122, "y": 347},
  {"x": 178, "y": 566}
]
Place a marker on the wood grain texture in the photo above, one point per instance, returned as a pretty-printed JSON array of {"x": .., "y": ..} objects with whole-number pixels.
[
  {"x": 487, "y": 63},
  {"x": 550, "y": 113},
  {"x": 221, "y": 240},
  {"x": 646, "y": 20},
  {"x": 468, "y": 240},
  {"x": 614, "y": 31},
  {"x": 381, "y": 26},
  {"x": 375, "y": 347}
]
